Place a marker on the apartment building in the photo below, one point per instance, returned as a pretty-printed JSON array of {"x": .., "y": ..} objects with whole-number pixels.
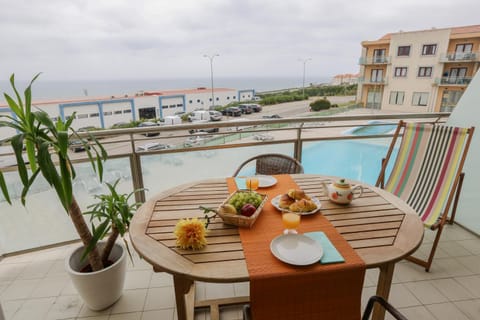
[{"x": 418, "y": 71}]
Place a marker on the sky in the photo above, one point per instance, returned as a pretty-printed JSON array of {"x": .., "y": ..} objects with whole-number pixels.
[{"x": 147, "y": 39}]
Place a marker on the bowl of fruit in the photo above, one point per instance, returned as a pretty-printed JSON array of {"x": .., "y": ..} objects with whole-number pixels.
[{"x": 242, "y": 208}]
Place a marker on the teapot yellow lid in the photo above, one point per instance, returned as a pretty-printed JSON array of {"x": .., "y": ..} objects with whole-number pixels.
[{"x": 342, "y": 183}]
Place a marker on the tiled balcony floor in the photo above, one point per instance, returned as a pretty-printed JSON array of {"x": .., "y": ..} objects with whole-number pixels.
[{"x": 34, "y": 286}]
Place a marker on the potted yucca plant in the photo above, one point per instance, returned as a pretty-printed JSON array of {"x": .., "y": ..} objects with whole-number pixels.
[{"x": 46, "y": 144}]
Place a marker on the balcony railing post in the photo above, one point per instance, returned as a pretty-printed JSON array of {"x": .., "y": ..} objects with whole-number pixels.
[
  {"x": 137, "y": 177},
  {"x": 298, "y": 144}
]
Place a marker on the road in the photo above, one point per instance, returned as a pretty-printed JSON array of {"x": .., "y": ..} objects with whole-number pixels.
[
  {"x": 296, "y": 108},
  {"x": 119, "y": 144}
]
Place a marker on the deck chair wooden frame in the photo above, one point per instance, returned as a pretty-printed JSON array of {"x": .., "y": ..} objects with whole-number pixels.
[
  {"x": 427, "y": 173},
  {"x": 272, "y": 163}
]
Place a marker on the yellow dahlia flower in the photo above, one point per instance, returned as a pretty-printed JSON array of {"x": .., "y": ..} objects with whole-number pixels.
[{"x": 190, "y": 234}]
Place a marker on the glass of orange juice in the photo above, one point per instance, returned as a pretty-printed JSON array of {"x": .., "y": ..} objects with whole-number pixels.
[
  {"x": 252, "y": 183},
  {"x": 290, "y": 222}
]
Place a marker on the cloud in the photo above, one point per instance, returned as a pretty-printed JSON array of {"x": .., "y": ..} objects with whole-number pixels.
[{"x": 113, "y": 39}]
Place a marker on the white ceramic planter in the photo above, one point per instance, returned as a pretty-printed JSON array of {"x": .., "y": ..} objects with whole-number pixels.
[{"x": 99, "y": 289}]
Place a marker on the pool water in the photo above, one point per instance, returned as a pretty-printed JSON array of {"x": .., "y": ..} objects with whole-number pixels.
[
  {"x": 371, "y": 130},
  {"x": 356, "y": 160}
]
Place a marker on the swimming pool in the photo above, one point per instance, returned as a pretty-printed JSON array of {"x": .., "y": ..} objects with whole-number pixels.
[
  {"x": 372, "y": 130},
  {"x": 357, "y": 160}
]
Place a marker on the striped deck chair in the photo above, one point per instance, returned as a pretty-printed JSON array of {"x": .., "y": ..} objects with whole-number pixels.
[{"x": 427, "y": 173}]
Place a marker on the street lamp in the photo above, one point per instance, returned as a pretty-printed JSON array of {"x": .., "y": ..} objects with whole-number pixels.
[
  {"x": 303, "y": 83},
  {"x": 210, "y": 57}
]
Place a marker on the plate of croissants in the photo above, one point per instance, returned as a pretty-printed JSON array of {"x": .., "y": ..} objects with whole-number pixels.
[{"x": 297, "y": 201}]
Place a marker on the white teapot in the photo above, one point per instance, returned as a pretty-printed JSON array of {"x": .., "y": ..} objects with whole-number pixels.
[{"x": 342, "y": 192}]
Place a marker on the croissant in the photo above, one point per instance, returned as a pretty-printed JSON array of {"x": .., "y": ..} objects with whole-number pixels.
[
  {"x": 285, "y": 201},
  {"x": 297, "y": 194},
  {"x": 303, "y": 205}
]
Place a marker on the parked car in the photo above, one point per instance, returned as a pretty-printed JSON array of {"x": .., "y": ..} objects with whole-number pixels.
[
  {"x": 272, "y": 116},
  {"x": 232, "y": 111},
  {"x": 263, "y": 137},
  {"x": 87, "y": 128},
  {"x": 153, "y": 146},
  {"x": 149, "y": 124},
  {"x": 246, "y": 109},
  {"x": 77, "y": 146},
  {"x": 120, "y": 125},
  {"x": 215, "y": 115},
  {"x": 206, "y": 130},
  {"x": 195, "y": 141},
  {"x": 255, "y": 107}
]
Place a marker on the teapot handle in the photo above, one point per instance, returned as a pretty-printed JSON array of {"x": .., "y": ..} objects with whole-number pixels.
[{"x": 357, "y": 194}]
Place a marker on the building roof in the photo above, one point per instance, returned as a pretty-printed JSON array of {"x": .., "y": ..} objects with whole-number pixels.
[
  {"x": 347, "y": 75},
  {"x": 454, "y": 31},
  {"x": 126, "y": 96}
]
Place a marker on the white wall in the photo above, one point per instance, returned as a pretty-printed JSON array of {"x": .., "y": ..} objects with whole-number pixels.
[{"x": 466, "y": 114}]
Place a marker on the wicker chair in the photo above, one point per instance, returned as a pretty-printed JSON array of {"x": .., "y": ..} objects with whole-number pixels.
[{"x": 272, "y": 163}]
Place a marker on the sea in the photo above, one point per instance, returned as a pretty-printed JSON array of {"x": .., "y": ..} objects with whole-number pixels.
[{"x": 56, "y": 89}]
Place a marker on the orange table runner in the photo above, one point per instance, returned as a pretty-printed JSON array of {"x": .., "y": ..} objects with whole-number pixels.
[{"x": 282, "y": 291}]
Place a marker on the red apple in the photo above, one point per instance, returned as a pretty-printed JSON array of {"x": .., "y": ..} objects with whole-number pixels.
[{"x": 248, "y": 210}]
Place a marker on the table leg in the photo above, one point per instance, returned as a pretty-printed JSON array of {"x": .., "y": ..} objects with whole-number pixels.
[
  {"x": 383, "y": 288},
  {"x": 184, "y": 297}
]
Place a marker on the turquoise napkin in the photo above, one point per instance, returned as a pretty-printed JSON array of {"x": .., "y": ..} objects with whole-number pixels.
[
  {"x": 330, "y": 253},
  {"x": 241, "y": 183}
]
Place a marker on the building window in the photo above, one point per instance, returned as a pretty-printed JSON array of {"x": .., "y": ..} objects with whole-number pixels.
[
  {"x": 379, "y": 55},
  {"x": 107, "y": 113},
  {"x": 376, "y": 75},
  {"x": 401, "y": 71},
  {"x": 198, "y": 100},
  {"x": 396, "y": 97},
  {"x": 429, "y": 49},
  {"x": 420, "y": 99},
  {"x": 217, "y": 98},
  {"x": 228, "y": 98},
  {"x": 425, "y": 71},
  {"x": 117, "y": 112},
  {"x": 82, "y": 116},
  {"x": 403, "y": 51},
  {"x": 127, "y": 111},
  {"x": 190, "y": 101},
  {"x": 94, "y": 115}
]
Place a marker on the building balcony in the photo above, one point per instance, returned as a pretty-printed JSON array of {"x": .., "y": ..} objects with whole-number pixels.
[
  {"x": 34, "y": 285},
  {"x": 460, "y": 57},
  {"x": 453, "y": 81},
  {"x": 374, "y": 60},
  {"x": 373, "y": 82}
]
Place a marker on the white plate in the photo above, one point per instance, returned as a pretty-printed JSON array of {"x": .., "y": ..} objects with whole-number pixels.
[
  {"x": 276, "y": 200},
  {"x": 266, "y": 181},
  {"x": 296, "y": 249}
]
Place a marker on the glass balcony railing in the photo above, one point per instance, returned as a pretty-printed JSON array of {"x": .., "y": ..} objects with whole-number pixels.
[
  {"x": 374, "y": 60},
  {"x": 363, "y": 80},
  {"x": 459, "y": 57},
  {"x": 43, "y": 222},
  {"x": 459, "y": 81}
]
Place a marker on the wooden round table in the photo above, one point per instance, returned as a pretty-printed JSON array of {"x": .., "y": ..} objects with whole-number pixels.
[{"x": 379, "y": 226}]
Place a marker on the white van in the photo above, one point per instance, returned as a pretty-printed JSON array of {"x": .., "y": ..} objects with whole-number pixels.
[
  {"x": 171, "y": 120},
  {"x": 199, "y": 115}
]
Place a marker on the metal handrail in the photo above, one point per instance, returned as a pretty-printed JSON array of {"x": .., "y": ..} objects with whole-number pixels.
[{"x": 294, "y": 131}]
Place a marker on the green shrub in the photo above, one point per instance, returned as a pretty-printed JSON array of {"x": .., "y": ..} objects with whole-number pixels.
[{"x": 321, "y": 104}]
